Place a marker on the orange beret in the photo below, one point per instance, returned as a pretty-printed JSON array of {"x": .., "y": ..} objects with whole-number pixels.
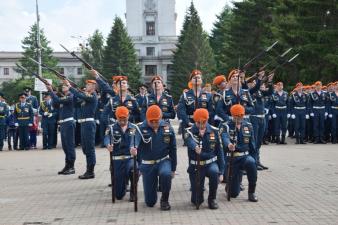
[
  {"x": 237, "y": 110},
  {"x": 157, "y": 77},
  {"x": 190, "y": 85},
  {"x": 201, "y": 115},
  {"x": 90, "y": 81},
  {"x": 194, "y": 73},
  {"x": 119, "y": 78},
  {"x": 232, "y": 72},
  {"x": 330, "y": 84},
  {"x": 324, "y": 87},
  {"x": 299, "y": 84},
  {"x": 121, "y": 112},
  {"x": 318, "y": 83},
  {"x": 219, "y": 79},
  {"x": 154, "y": 113}
]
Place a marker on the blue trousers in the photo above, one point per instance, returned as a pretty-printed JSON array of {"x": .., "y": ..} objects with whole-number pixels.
[
  {"x": 123, "y": 171},
  {"x": 334, "y": 123},
  {"x": 300, "y": 122},
  {"x": 318, "y": 123},
  {"x": 280, "y": 122},
  {"x": 23, "y": 136},
  {"x": 150, "y": 175},
  {"x": 2, "y": 135},
  {"x": 212, "y": 172},
  {"x": 246, "y": 163},
  {"x": 48, "y": 135},
  {"x": 88, "y": 130},
  {"x": 258, "y": 125},
  {"x": 67, "y": 130}
]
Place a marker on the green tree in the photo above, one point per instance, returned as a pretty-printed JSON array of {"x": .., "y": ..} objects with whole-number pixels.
[
  {"x": 119, "y": 56},
  {"x": 193, "y": 51}
]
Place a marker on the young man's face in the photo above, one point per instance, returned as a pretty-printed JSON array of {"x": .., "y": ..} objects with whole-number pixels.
[
  {"x": 197, "y": 79},
  {"x": 123, "y": 121},
  {"x": 201, "y": 125}
]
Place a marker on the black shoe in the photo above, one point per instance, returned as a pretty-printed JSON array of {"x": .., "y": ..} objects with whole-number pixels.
[
  {"x": 302, "y": 141},
  {"x": 283, "y": 140},
  {"x": 63, "y": 170},
  {"x": 317, "y": 141},
  {"x": 322, "y": 141},
  {"x": 212, "y": 204},
  {"x": 252, "y": 197},
  {"x": 87, "y": 175},
  {"x": 297, "y": 141},
  {"x": 69, "y": 171},
  {"x": 165, "y": 206},
  {"x": 259, "y": 168},
  {"x": 263, "y": 167},
  {"x": 9, "y": 148},
  {"x": 334, "y": 141}
]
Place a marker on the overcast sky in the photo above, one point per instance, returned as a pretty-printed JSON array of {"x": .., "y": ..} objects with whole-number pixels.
[{"x": 62, "y": 19}]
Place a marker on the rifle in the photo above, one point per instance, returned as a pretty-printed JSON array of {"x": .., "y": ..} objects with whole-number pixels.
[
  {"x": 112, "y": 176},
  {"x": 85, "y": 63},
  {"x": 135, "y": 175},
  {"x": 36, "y": 75},
  {"x": 198, "y": 159}
]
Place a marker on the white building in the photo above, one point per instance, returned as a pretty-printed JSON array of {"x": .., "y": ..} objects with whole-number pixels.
[
  {"x": 152, "y": 26},
  {"x": 67, "y": 65}
]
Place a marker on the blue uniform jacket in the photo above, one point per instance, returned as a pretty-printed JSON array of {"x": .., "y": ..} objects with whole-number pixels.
[
  {"x": 51, "y": 112},
  {"x": 88, "y": 103},
  {"x": 66, "y": 105},
  {"x": 23, "y": 114},
  {"x": 280, "y": 102},
  {"x": 318, "y": 101},
  {"x": 165, "y": 102},
  {"x": 3, "y": 113}
]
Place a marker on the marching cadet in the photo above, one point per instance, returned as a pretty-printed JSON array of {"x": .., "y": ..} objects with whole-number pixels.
[
  {"x": 31, "y": 99},
  {"x": 3, "y": 116},
  {"x": 159, "y": 97},
  {"x": 88, "y": 125},
  {"x": 203, "y": 140},
  {"x": 187, "y": 105},
  {"x": 48, "y": 114},
  {"x": 221, "y": 83},
  {"x": 237, "y": 135},
  {"x": 333, "y": 112},
  {"x": 117, "y": 140},
  {"x": 155, "y": 146},
  {"x": 280, "y": 113},
  {"x": 67, "y": 127},
  {"x": 299, "y": 112},
  {"x": 24, "y": 119},
  {"x": 318, "y": 112}
]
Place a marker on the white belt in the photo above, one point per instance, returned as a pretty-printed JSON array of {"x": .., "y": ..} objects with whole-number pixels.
[
  {"x": 259, "y": 116},
  {"x": 334, "y": 107},
  {"x": 319, "y": 107},
  {"x": 238, "y": 154},
  {"x": 300, "y": 107},
  {"x": 112, "y": 119},
  {"x": 86, "y": 120},
  {"x": 205, "y": 162},
  {"x": 121, "y": 157},
  {"x": 66, "y": 120},
  {"x": 151, "y": 162},
  {"x": 191, "y": 116},
  {"x": 281, "y": 107}
]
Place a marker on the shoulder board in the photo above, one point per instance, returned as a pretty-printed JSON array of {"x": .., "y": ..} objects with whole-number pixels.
[
  {"x": 214, "y": 128},
  {"x": 167, "y": 95}
]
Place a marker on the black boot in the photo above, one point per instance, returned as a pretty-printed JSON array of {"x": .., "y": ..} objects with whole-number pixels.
[
  {"x": 317, "y": 140},
  {"x": 262, "y": 166},
  {"x": 322, "y": 140},
  {"x": 212, "y": 203},
  {"x": 251, "y": 193},
  {"x": 334, "y": 140},
  {"x": 165, "y": 206},
  {"x": 297, "y": 141},
  {"x": 283, "y": 140},
  {"x": 9, "y": 148},
  {"x": 70, "y": 169},
  {"x": 301, "y": 141},
  {"x": 277, "y": 140},
  {"x": 64, "y": 168},
  {"x": 89, "y": 174}
]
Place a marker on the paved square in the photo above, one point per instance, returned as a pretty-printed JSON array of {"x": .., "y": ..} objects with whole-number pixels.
[{"x": 301, "y": 187}]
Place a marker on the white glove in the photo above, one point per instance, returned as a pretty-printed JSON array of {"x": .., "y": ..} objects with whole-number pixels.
[
  {"x": 97, "y": 121},
  {"x": 30, "y": 124},
  {"x": 45, "y": 113},
  {"x": 50, "y": 115},
  {"x": 326, "y": 114},
  {"x": 274, "y": 116},
  {"x": 307, "y": 117},
  {"x": 330, "y": 115},
  {"x": 293, "y": 116},
  {"x": 16, "y": 124},
  {"x": 270, "y": 117},
  {"x": 312, "y": 115},
  {"x": 288, "y": 115}
]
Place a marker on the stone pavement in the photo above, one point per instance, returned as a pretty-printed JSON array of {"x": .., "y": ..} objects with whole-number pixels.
[{"x": 301, "y": 187}]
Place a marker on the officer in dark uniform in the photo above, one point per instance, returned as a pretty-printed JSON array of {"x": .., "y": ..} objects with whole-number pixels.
[
  {"x": 203, "y": 139},
  {"x": 187, "y": 105},
  {"x": 31, "y": 99},
  {"x": 67, "y": 127},
  {"x": 160, "y": 98},
  {"x": 117, "y": 140},
  {"x": 88, "y": 125},
  {"x": 4, "y": 110},
  {"x": 280, "y": 113},
  {"x": 155, "y": 145},
  {"x": 24, "y": 119},
  {"x": 333, "y": 112},
  {"x": 237, "y": 135},
  {"x": 141, "y": 96},
  {"x": 48, "y": 121},
  {"x": 318, "y": 108}
]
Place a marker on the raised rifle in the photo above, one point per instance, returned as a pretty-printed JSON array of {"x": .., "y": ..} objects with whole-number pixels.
[
  {"x": 43, "y": 80},
  {"x": 198, "y": 159},
  {"x": 135, "y": 174},
  {"x": 112, "y": 175}
]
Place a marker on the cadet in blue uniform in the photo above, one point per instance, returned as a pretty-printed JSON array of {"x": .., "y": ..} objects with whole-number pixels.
[
  {"x": 155, "y": 143},
  {"x": 203, "y": 139},
  {"x": 238, "y": 136},
  {"x": 88, "y": 125},
  {"x": 117, "y": 140},
  {"x": 221, "y": 83},
  {"x": 11, "y": 129},
  {"x": 280, "y": 113},
  {"x": 299, "y": 112},
  {"x": 48, "y": 121},
  {"x": 318, "y": 108},
  {"x": 159, "y": 97},
  {"x": 141, "y": 96},
  {"x": 186, "y": 105},
  {"x": 31, "y": 99},
  {"x": 3, "y": 115},
  {"x": 67, "y": 127},
  {"x": 24, "y": 119},
  {"x": 333, "y": 112}
]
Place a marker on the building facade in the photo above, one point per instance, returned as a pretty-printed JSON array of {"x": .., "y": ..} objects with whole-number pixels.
[
  {"x": 151, "y": 24},
  {"x": 67, "y": 65}
]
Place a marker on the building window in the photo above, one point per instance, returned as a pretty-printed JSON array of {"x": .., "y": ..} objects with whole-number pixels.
[
  {"x": 62, "y": 70},
  {"x": 6, "y": 71},
  {"x": 151, "y": 70},
  {"x": 79, "y": 71},
  {"x": 150, "y": 26},
  {"x": 150, "y": 51}
]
